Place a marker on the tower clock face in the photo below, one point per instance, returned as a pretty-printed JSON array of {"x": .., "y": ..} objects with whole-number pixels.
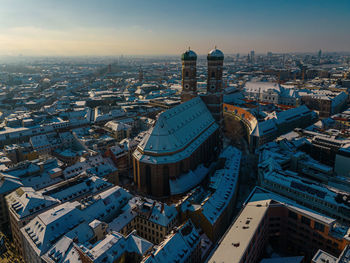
[
  {"x": 212, "y": 88},
  {"x": 186, "y": 86}
]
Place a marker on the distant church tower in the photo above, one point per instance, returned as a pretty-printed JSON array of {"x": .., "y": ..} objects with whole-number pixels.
[
  {"x": 140, "y": 74},
  {"x": 214, "y": 96},
  {"x": 189, "y": 75}
]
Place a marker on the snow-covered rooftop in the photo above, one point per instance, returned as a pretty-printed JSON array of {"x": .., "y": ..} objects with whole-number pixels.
[
  {"x": 178, "y": 127},
  {"x": 224, "y": 181},
  {"x": 177, "y": 247},
  {"x": 114, "y": 245},
  {"x": 47, "y": 227},
  {"x": 26, "y": 201}
]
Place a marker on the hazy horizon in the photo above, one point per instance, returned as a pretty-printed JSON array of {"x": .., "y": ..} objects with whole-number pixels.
[{"x": 160, "y": 28}]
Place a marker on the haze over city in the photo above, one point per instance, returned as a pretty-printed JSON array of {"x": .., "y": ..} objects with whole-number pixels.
[
  {"x": 174, "y": 131},
  {"x": 74, "y": 28}
]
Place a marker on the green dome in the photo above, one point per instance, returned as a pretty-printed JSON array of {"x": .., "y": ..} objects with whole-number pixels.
[
  {"x": 189, "y": 55},
  {"x": 215, "y": 54}
]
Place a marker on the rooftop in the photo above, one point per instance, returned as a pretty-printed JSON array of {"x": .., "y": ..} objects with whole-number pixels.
[
  {"x": 177, "y": 133},
  {"x": 238, "y": 237},
  {"x": 177, "y": 246}
]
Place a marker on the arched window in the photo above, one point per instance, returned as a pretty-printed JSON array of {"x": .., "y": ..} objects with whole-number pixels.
[
  {"x": 148, "y": 178},
  {"x": 166, "y": 170},
  {"x": 186, "y": 74},
  {"x": 213, "y": 74},
  {"x": 166, "y": 187}
]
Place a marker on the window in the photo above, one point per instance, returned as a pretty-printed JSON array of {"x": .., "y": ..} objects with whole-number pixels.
[
  {"x": 305, "y": 220},
  {"x": 181, "y": 167},
  {"x": 213, "y": 74},
  {"x": 319, "y": 226},
  {"x": 292, "y": 215},
  {"x": 186, "y": 74},
  {"x": 165, "y": 171},
  {"x": 274, "y": 219},
  {"x": 148, "y": 177}
]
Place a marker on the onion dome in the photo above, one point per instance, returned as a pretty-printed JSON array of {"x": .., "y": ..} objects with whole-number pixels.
[
  {"x": 189, "y": 55},
  {"x": 215, "y": 54}
]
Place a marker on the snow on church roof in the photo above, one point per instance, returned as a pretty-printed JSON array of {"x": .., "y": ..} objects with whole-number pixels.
[
  {"x": 187, "y": 181},
  {"x": 178, "y": 128}
]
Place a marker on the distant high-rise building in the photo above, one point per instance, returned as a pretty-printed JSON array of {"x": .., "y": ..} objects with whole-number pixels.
[
  {"x": 252, "y": 56},
  {"x": 140, "y": 75},
  {"x": 320, "y": 53}
]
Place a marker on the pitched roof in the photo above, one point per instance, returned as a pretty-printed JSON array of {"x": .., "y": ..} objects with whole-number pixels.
[{"x": 177, "y": 127}]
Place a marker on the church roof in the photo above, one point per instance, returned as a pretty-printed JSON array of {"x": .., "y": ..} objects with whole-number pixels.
[
  {"x": 189, "y": 55},
  {"x": 178, "y": 128},
  {"x": 215, "y": 54}
]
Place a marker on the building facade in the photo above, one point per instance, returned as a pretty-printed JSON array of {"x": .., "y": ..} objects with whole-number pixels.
[
  {"x": 268, "y": 218},
  {"x": 184, "y": 137}
]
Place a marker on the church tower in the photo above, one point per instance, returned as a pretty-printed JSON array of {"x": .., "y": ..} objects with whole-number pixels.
[
  {"x": 214, "y": 96},
  {"x": 189, "y": 75},
  {"x": 140, "y": 74}
]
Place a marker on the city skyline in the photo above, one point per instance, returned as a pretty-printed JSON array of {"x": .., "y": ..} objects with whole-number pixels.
[
  {"x": 64, "y": 28},
  {"x": 173, "y": 131}
]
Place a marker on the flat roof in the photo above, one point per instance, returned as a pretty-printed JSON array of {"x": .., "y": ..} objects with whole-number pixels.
[
  {"x": 237, "y": 239},
  {"x": 297, "y": 259},
  {"x": 321, "y": 257}
]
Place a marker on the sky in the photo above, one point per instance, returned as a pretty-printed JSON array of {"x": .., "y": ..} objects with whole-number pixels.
[{"x": 168, "y": 27}]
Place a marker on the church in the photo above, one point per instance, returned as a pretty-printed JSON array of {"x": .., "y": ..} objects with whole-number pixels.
[{"x": 175, "y": 153}]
